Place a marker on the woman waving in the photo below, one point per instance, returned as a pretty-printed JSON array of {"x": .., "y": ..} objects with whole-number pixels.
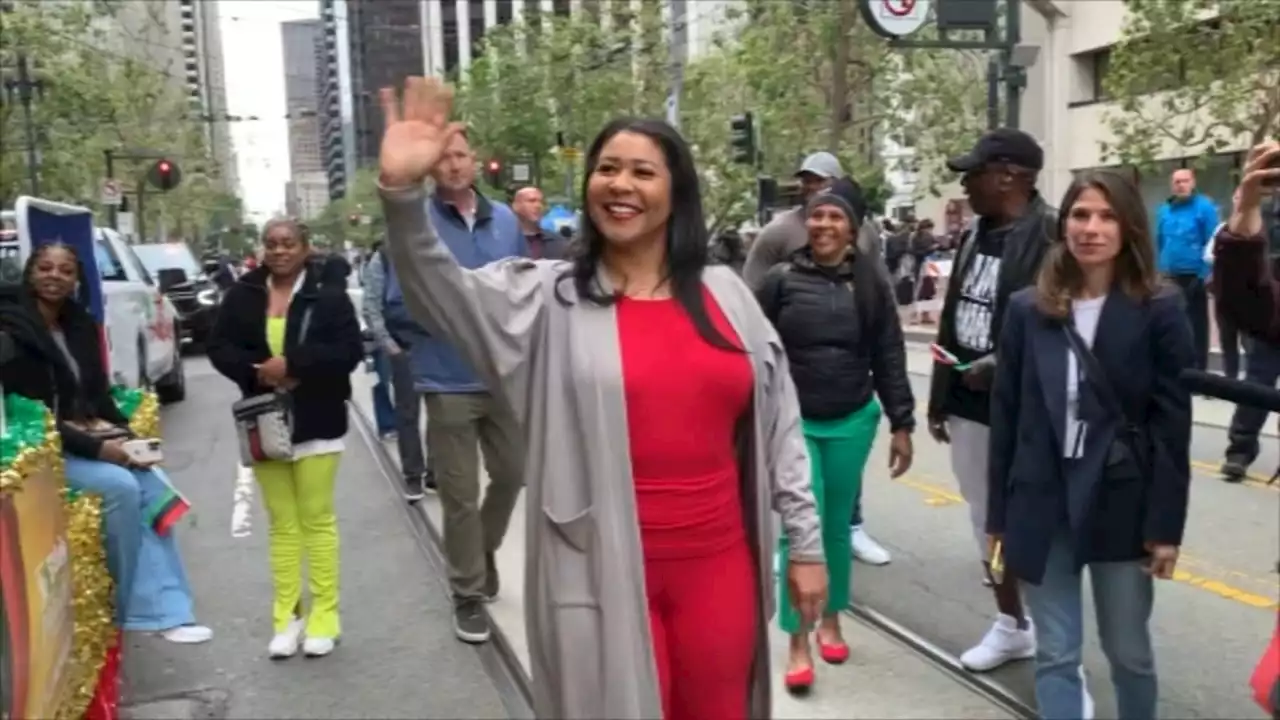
[{"x": 660, "y": 421}]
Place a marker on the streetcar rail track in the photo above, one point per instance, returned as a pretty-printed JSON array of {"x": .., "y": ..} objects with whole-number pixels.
[
  {"x": 512, "y": 681},
  {"x": 497, "y": 656}
]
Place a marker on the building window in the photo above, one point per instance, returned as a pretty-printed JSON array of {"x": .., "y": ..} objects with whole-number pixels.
[
  {"x": 560, "y": 7},
  {"x": 506, "y": 8},
  {"x": 1099, "y": 65},
  {"x": 449, "y": 33},
  {"x": 475, "y": 12}
]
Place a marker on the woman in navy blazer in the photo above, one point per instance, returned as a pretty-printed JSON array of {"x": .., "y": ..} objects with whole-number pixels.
[{"x": 1103, "y": 483}]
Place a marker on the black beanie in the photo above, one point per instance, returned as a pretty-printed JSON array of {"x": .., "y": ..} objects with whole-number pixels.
[{"x": 845, "y": 194}]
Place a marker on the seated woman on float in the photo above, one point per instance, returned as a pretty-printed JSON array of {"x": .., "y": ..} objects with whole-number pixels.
[{"x": 58, "y": 361}]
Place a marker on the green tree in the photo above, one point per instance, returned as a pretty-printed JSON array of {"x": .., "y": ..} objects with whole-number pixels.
[
  {"x": 938, "y": 102},
  {"x": 1181, "y": 81},
  {"x": 95, "y": 99},
  {"x": 356, "y": 218},
  {"x": 552, "y": 78}
]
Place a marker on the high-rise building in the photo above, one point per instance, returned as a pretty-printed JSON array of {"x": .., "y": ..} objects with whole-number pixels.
[
  {"x": 307, "y": 192},
  {"x": 183, "y": 41},
  {"x": 336, "y": 145},
  {"x": 384, "y": 41}
]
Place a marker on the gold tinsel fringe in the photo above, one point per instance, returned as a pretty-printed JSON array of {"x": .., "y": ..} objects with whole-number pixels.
[
  {"x": 145, "y": 422},
  {"x": 92, "y": 607},
  {"x": 94, "y": 629}
]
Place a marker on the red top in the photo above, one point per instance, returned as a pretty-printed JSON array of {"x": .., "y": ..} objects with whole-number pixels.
[{"x": 684, "y": 399}]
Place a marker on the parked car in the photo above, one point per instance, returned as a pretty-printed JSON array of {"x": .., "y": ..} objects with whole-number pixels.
[
  {"x": 193, "y": 292},
  {"x": 143, "y": 327}
]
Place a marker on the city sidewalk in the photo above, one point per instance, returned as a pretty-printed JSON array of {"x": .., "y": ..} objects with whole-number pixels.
[
  {"x": 884, "y": 679},
  {"x": 1204, "y": 411},
  {"x": 398, "y": 657}
]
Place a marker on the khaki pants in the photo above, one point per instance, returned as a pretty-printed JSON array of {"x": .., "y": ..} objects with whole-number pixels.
[{"x": 458, "y": 424}]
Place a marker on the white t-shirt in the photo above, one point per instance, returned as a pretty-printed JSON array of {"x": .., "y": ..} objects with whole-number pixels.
[{"x": 1085, "y": 313}]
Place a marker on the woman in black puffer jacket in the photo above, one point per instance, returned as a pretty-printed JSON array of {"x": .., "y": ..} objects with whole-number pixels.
[{"x": 837, "y": 318}]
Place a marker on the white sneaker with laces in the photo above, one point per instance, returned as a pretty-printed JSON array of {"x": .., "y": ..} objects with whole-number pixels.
[
  {"x": 318, "y": 646},
  {"x": 285, "y": 644},
  {"x": 1003, "y": 643},
  {"x": 188, "y": 634},
  {"x": 866, "y": 549}
]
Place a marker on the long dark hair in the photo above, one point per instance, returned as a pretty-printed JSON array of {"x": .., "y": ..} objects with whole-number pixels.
[
  {"x": 686, "y": 230},
  {"x": 1060, "y": 277}
]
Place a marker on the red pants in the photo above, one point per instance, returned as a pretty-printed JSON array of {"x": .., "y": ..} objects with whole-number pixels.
[{"x": 702, "y": 613}]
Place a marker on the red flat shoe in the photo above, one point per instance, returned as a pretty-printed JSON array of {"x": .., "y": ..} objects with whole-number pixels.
[
  {"x": 799, "y": 682},
  {"x": 835, "y": 654}
]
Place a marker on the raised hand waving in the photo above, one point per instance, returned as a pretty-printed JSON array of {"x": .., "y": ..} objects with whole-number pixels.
[{"x": 415, "y": 138}]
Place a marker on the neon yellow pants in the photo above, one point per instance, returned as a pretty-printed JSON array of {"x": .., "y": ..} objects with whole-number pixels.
[{"x": 299, "y": 500}]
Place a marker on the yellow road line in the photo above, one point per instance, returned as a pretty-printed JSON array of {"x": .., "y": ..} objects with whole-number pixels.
[
  {"x": 1254, "y": 479},
  {"x": 1224, "y": 590},
  {"x": 935, "y": 495},
  {"x": 939, "y": 496}
]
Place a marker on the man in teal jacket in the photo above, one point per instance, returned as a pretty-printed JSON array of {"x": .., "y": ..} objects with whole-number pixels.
[{"x": 1184, "y": 225}]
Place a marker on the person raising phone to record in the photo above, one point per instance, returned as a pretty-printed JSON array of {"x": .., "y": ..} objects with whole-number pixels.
[{"x": 1244, "y": 279}]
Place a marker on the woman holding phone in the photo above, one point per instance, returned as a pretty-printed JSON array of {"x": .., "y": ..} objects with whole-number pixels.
[{"x": 58, "y": 361}]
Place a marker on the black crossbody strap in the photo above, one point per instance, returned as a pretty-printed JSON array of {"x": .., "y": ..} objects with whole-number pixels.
[{"x": 1093, "y": 372}]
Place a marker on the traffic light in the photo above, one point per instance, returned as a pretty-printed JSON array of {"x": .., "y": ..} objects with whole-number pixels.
[
  {"x": 493, "y": 172},
  {"x": 164, "y": 175},
  {"x": 742, "y": 139}
]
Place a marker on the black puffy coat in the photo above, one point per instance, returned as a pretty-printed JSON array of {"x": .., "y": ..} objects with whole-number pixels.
[{"x": 843, "y": 338}]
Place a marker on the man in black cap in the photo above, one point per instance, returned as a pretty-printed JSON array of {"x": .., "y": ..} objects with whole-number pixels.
[{"x": 999, "y": 254}]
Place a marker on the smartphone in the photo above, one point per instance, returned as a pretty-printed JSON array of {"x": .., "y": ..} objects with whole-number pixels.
[
  {"x": 145, "y": 451},
  {"x": 997, "y": 563},
  {"x": 1273, "y": 181},
  {"x": 942, "y": 355}
]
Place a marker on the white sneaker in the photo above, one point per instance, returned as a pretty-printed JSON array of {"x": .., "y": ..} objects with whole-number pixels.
[
  {"x": 866, "y": 549},
  {"x": 1002, "y": 643},
  {"x": 318, "y": 646},
  {"x": 188, "y": 634},
  {"x": 285, "y": 644}
]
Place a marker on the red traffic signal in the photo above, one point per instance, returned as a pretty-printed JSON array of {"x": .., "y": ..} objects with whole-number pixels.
[{"x": 164, "y": 175}]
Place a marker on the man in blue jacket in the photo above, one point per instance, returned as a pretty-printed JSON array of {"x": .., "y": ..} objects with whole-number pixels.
[
  {"x": 1184, "y": 225},
  {"x": 461, "y": 414}
]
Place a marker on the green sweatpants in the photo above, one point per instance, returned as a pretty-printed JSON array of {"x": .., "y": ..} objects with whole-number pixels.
[{"x": 838, "y": 451}]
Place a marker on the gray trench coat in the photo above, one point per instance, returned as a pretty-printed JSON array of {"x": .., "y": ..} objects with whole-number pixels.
[{"x": 559, "y": 369}]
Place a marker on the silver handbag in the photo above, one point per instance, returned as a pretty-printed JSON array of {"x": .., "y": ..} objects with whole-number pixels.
[
  {"x": 264, "y": 427},
  {"x": 264, "y": 423}
]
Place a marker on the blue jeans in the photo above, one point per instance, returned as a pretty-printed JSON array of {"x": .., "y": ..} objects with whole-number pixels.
[
  {"x": 1122, "y": 597},
  {"x": 384, "y": 412},
  {"x": 152, "y": 592}
]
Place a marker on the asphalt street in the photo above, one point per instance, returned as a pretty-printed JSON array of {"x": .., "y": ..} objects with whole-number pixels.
[
  {"x": 1210, "y": 625},
  {"x": 398, "y": 657}
]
